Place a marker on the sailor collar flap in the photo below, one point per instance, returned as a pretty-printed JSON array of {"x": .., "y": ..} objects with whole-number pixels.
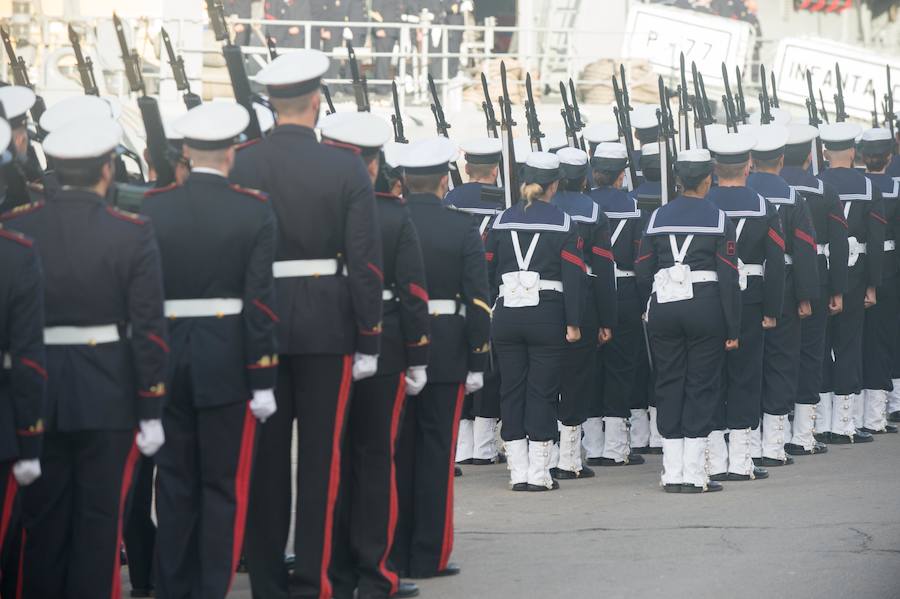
[
  {"x": 579, "y": 207},
  {"x": 539, "y": 217},
  {"x": 852, "y": 185},
  {"x": 802, "y": 181},
  {"x": 469, "y": 198},
  {"x": 650, "y": 190},
  {"x": 617, "y": 204},
  {"x": 738, "y": 202},
  {"x": 687, "y": 216},
  {"x": 773, "y": 188}
]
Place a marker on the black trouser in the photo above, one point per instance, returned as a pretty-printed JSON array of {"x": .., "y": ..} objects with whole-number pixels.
[
  {"x": 880, "y": 337},
  {"x": 812, "y": 351},
  {"x": 384, "y": 44},
  {"x": 618, "y": 359},
  {"x": 314, "y": 390},
  {"x": 578, "y": 384},
  {"x": 688, "y": 339},
  {"x": 367, "y": 509},
  {"x": 643, "y": 392},
  {"x": 486, "y": 402},
  {"x": 10, "y": 531},
  {"x": 781, "y": 362},
  {"x": 73, "y": 515},
  {"x": 140, "y": 531},
  {"x": 843, "y": 341},
  {"x": 743, "y": 368},
  {"x": 426, "y": 459},
  {"x": 201, "y": 502},
  {"x": 530, "y": 345}
]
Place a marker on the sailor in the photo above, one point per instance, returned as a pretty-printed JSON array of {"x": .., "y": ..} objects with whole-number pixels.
[
  {"x": 537, "y": 271},
  {"x": 103, "y": 313},
  {"x": 646, "y": 130},
  {"x": 555, "y": 141},
  {"x": 22, "y": 172},
  {"x": 456, "y": 272},
  {"x": 689, "y": 252},
  {"x": 625, "y": 427},
  {"x": 385, "y": 38},
  {"x": 863, "y": 208},
  {"x": 881, "y": 322},
  {"x": 649, "y": 191},
  {"x": 481, "y": 198},
  {"x": 22, "y": 382},
  {"x": 760, "y": 260},
  {"x": 578, "y": 385},
  {"x": 367, "y": 509},
  {"x": 217, "y": 242},
  {"x": 831, "y": 246},
  {"x": 328, "y": 279},
  {"x": 599, "y": 133},
  {"x": 781, "y": 361}
]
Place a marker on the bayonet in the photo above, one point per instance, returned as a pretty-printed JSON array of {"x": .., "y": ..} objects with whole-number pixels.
[
  {"x": 397, "y": 118},
  {"x": 765, "y": 112},
  {"x": 488, "y": 107},
  {"x": 531, "y": 118},
  {"x": 20, "y": 75},
  {"x": 684, "y": 106},
  {"x": 840, "y": 114},
  {"x": 273, "y": 47},
  {"x": 816, "y": 153},
  {"x": 327, "y": 93},
  {"x": 360, "y": 89},
  {"x": 579, "y": 124},
  {"x": 773, "y": 101},
  {"x": 443, "y": 129},
  {"x": 510, "y": 172},
  {"x": 822, "y": 108},
  {"x": 85, "y": 65},
  {"x": 623, "y": 118},
  {"x": 741, "y": 113},
  {"x": 182, "y": 84}
]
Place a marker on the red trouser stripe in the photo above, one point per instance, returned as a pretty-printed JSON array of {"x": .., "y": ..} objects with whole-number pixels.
[
  {"x": 242, "y": 489},
  {"x": 447, "y": 546},
  {"x": 334, "y": 476},
  {"x": 8, "y": 500},
  {"x": 392, "y": 514},
  {"x": 130, "y": 461}
]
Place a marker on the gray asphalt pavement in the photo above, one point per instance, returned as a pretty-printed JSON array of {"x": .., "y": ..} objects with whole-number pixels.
[{"x": 826, "y": 527}]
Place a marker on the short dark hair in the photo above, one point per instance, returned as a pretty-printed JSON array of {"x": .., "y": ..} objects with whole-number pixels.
[
  {"x": 80, "y": 173},
  {"x": 876, "y": 162},
  {"x": 295, "y": 105},
  {"x": 769, "y": 164},
  {"x": 730, "y": 171},
  {"x": 480, "y": 171},
  {"x": 652, "y": 174},
  {"x": 572, "y": 184},
  {"x": 691, "y": 182},
  {"x": 605, "y": 178},
  {"x": 424, "y": 183}
]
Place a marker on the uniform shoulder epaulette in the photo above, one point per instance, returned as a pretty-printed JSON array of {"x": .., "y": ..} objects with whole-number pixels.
[
  {"x": 22, "y": 209},
  {"x": 158, "y": 190},
  {"x": 343, "y": 146},
  {"x": 17, "y": 237},
  {"x": 247, "y": 144},
  {"x": 130, "y": 217},
  {"x": 389, "y": 196},
  {"x": 253, "y": 193}
]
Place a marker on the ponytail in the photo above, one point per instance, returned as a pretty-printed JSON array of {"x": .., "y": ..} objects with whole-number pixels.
[{"x": 531, "y": 192}]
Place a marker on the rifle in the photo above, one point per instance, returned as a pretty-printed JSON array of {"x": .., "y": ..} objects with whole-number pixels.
[
  {"x": 666, "y": 155},
  {"x": 20, "y": 76},
  {"x": 568, "y": 116},
  {"x": 153, "y": 126},
  {"x": 191, "y": 100},
  {"x": 741, "y": 114},
  {"x": 889, "y": 107},
  {"x": 671, "y": 116},
  {"x": 684, "y": 106},
  {"x": 728, "y": 103},
  {"x": 443, "y": 129},
  {"x": 272, "y": 46},
  {"x": 623, "y": 118},
  {"x": 774, "y": 99},
  {"x": 818, "y": 158},
  {"x": 840, "y": 114},
  {"x": 327, "y": 93},
  {"x": 875, "y": 122},
  {"x": 396, "y": 118},
  {"x": 702, "y": 113},
  {"x": 531, "y": 118},
  {"x": 360, "y": 88},
  {"x": 765, "y": 111},
  {"x": 510, "y": 173},
  {"x": 488, "y": 107},
  {"x": 579, "y": 124},
  {"x": 824, "y": 112},
  {"x": 234, "y": 61},
  {"x": 85, "y": 66}
]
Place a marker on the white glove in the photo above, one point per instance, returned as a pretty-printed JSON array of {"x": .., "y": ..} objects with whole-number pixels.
[
  {"x": 466, "y": 6},
  {"x": 27, "y": 471},
  {"x": 263, "y": 404},
  {"x": 151, "y": 437},
  {"x": 416, "y": 378},
  {"x": 364, "y": 366},
  {"x": 474, "y": 382},
  {"x": 347, "y": 34}
]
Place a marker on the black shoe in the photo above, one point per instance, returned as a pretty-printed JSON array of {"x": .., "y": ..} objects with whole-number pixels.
[
  {"x": 772, "y": 462},
  {"x": 501, "y": 458},
  {"x": 452, "y": 569},
  {"x": 758, "y": 473},
  {"x": 142, "y": 593},
  {"x": 520, "y": 487},
  {"x": 635, "y": 459},
  {"x": 894, "y": 416},
  {"x": 823, "y": 437},
  {"x": 289, "y": 560},
  {"x": 654, "y": 451},
  {"x": 719, "y": 477},
  {"x": 407, "y": 589},
  {"x": 641, "y": 450},
  {"x": 836, "y": 439},
  {"x": 793, "y": 449},
  {"x": 541, "y": 488},
  {"x": 672, "y": 488},
  {"x": 481, "y": 462},
  {"x": 861, "y": 436},
  {"x": 888, "y": 428},
  {"x": 594, "y": 461},
  {"x": 466, "y": 462},
  {"x": 711, "y": 487},
  {"x": 561, "y": 474},
  {"x": 457, "y": 472}
]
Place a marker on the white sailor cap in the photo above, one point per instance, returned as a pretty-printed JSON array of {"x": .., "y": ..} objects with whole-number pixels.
[
  {"x": 393, "y": 154},
  {"x": 430, "y": 156},
  {"x": 610, "y": 156},
  {"x": 650, "y": 149},
  {"x": 542, "y": 168},
  {"x": 601, "y": 132},
  {"x": 482, "y": 150},
  {"x": 780, "y": 116},
  {"x": 85, "y": 139},
  {"x": 17, "y": 100},
  {"x": 572, "y": 163},
  {"x": 522, "y": 146},
  {"x": 714, "y": 129},
  {"x": 363, "y": 130},
  {"x": 264, "y": 117},
  {"x": 294, "y": 73},
  {"x": 213, "y": 125},
  {"x": 839, "y": 136},
  {"x": 5, "y": 138},
  {"x": 770, "y": 141},
  {"x": 731, "y": 148},
  {"x": 75, "y": 108},
  {"x": 554, "y": 141},
  {"x": 643, "y": 118},
  {"x": 330, "y": 120},
  {"x": 693, "y": 163},
  {"x": 801, "y": 133},
  {"x": 876, "y": 141}
]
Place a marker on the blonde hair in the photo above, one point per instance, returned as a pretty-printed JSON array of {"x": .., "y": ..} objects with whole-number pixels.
[{"x": 531, "y": 192}]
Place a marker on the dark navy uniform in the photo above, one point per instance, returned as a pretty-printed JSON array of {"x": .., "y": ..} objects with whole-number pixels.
[
  {"x": 106, "y": 358},
  {"x": 217, "y": 243},
  {"x": 368, "y": 511},
  {"x": 287, "y": 10},
  {"x": 688, "y": 336},
  {"x": 23, "y": 380},
  {"x": 327, "y": 225},
  {"x": 460, "y": 325},
  {"x": 383, "y": 40}
]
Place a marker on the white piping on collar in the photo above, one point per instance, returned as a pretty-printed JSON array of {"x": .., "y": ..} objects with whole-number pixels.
[
  {"x": 652, "y": 229},
  {"x": 760, "y": 211},
  {"x": 859, "y": 197},
  {"x": 567, "y": 224}
]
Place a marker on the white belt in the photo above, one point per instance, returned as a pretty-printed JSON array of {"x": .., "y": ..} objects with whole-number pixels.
[
  {"x": 890, "y": 245},
  {"x": 700, "y": 276},
  {"x": 788, "y": 259},
  {"x": 305, "y": 268},
  {"x": 823, "y": 249},
  {"x": 107, "y": 333},
  {"x": 543, "y": 286},
  {"x": 446, "y": 308},
  {"x": 7, "y": 361},
  {"x": 624, "y": 274},
  {"x": 753, "y": 270},
  {"x": 198, "y": 308},
  {"x": 387, "y": 295}
]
